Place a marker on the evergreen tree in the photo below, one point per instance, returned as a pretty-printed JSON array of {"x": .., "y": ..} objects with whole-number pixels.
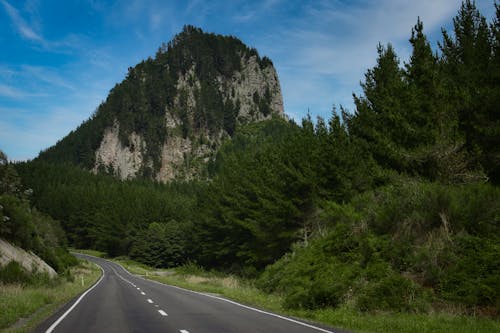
[
  {"x": 380, "y": 120},
  {"x": 467, "y": 58}
]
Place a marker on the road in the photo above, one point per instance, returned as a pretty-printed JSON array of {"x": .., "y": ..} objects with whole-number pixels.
[{"x": 123, "y": 302}]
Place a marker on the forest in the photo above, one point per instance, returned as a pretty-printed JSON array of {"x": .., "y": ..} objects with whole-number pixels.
[{"x": 393, "y": 206}]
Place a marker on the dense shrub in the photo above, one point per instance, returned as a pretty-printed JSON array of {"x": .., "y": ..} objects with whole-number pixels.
[
  {"x": 13, "y": 272},
  {"x": 396, "y": 249},
  {"x": 393, "y": 292}
]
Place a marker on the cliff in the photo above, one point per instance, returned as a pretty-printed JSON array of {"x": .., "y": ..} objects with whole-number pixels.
[{"x": 171, "y": 113}]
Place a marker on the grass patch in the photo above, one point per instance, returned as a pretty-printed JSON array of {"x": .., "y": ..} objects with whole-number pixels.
[
  {"x": 195, "y": 278},
  {"x": 94, "y": 253},
  {"x": 35, "y": 303}
]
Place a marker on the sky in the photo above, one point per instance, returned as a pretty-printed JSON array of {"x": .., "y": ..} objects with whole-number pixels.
[{"x": 59, "y": 59}]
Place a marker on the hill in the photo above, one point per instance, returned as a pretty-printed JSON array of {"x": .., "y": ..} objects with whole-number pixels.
[{"x": 169, "y": 115}]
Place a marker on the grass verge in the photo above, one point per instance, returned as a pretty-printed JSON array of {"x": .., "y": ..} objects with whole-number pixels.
[
  {"x": 22, "y": 308},
  {"x": 94, "y": 253},
  {"x": 228, "y": 286}
]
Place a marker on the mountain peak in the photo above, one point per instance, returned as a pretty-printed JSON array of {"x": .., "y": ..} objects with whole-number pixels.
[{"x": 171, "y": 113}]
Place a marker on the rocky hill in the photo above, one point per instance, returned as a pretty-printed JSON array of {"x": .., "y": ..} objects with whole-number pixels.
[{"x": 166, "y": 119}]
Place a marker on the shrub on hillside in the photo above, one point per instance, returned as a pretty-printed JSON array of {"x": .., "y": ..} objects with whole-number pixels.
[{"x": 398, "y": 248}]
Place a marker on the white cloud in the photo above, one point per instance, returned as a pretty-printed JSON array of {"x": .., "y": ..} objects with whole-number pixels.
[
  {"x": 23, "y": 133},
  {"x": 254, "y": 10},
  {"x": 15, "y": 93},
  {"x": 333, "y": 43},
  {"x": 20, "y": 24},
  {"x": 46, "y": 75}
]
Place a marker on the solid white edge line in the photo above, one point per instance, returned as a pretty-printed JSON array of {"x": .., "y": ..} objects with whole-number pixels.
[
  {"x": 225, "y": 300},
  {"x": 232, "y": 302},
  {"x": 58, "y": 321},
  {"x": 253, "y": 309}
]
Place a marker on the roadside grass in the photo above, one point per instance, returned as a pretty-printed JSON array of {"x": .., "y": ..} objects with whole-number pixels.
[
  {"x": 195, "y": 278},
  {"x": 22, "y": 308},
  {"x": 94, "y": 253}
]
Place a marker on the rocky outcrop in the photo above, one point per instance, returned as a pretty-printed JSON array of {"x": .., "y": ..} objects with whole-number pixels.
[
  {"x": 170, "y": 114},
  {"x": 180, "y": 155},
  {"x": 125, "y": 161},
  {"x": 28, "y": 260},
  {"x": 252, "y": 81}
]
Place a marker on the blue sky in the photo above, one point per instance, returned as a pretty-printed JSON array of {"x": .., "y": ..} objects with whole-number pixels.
[{"x": 59, "y": 59}]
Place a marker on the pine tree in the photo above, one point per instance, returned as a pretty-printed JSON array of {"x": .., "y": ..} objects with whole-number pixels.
[
  {"x": 379, "y": 120},
  {"x": 467, "y": 62}
]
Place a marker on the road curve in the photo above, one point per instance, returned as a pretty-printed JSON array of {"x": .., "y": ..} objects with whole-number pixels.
[{"x": 123, "y": 302}]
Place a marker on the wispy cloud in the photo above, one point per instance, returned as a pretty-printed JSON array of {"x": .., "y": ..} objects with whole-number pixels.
[
  {"x": 29, "y": 132},
  {"x": 322, "y": 54},
  {"x": 15, "y": 93},
  {"x": 27, "y": 31},
  {"x": 46, "y": 75},
  {"x": 254, "y": 10},
  {"x": 23, "y": 28},
  {"x": 58, "y": 73}
]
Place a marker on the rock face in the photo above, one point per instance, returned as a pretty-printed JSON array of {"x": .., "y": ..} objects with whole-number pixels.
[
  {"x": 125, "y": 160},
  {"x": 255, "y": 81},
  {"x": 206, "y": 108},
  {"x": 27, "y": 260},
  {"x": 167, "y": 118}
]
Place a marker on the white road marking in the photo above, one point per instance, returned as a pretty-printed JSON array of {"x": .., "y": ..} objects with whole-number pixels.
[
  {"x": 156, "y": 305},
  {"x": 138, "y": 288},
  {"x": 235, "y": 303},
  {"x": 229, "y": 301},
  {"x": 143, "y": 293},
  {"x": 184, "y": 331},
  {"x": 163, "y": 313},
  {"x": 58, "y": 321},
  {"x": 150, "y": 301}
]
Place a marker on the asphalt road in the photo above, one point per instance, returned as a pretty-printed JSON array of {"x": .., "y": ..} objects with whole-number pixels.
[{"x": 122, "y": 302}]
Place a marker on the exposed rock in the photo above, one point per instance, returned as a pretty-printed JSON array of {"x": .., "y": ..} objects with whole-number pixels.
[
  {"x": 252, "y": 79},
  {"x": 171, "y": 113},
  {"x": 125, "y": 161},
  {"x": 28, "y": 260}
]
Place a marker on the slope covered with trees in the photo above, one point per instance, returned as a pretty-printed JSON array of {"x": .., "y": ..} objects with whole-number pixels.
[
  {"x": 393, "y": 207},
  {"x": 27, "y": 227},
  {"x": 193, "y": 91}
]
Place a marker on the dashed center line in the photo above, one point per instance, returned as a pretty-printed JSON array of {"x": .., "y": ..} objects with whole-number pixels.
[
  {"x": 184, "y": 331},
  {"x": 150, "y": 301}
]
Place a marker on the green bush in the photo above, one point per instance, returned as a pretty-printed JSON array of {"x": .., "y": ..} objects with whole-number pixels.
[
  {"x": 393, "y": 292},
  {"x": 14, "y": 273},
  {"x": 473, "y": 278},
  {"x": 398, "y": 248}
]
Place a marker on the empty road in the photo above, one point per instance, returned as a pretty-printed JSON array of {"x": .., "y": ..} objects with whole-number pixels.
[{"x": 122, "y": 302}]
